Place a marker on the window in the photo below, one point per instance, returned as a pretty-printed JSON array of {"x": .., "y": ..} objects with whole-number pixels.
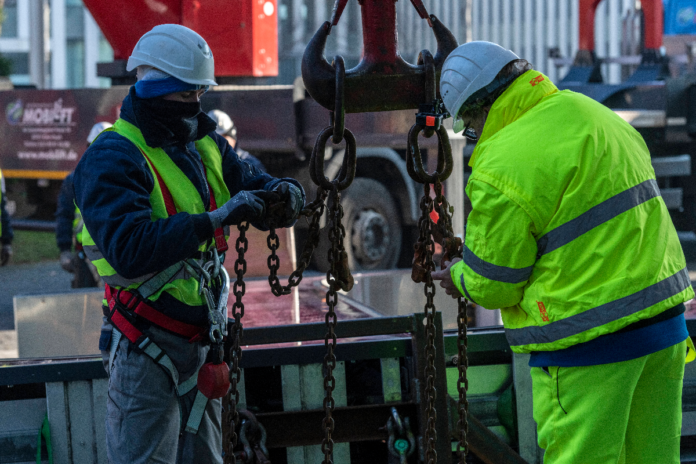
[{"x": 9, "y": 23}]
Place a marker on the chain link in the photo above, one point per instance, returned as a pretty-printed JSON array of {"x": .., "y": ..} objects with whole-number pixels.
[
  {"x": 230, "y": 402},
  {"x": 462, "y": 380},
  {"x": 315, "y": 210}
]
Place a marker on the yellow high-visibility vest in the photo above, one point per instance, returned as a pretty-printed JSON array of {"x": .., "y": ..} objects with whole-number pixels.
[{"x": 185, "y": 285}]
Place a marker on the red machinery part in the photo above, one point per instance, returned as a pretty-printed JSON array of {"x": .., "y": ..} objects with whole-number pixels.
[
  {"x": 243, "y": 36},
  {"x": 654, "y": 23},
  {"x": 652, "y": 11},
  {"x": 379, "y": 37}
]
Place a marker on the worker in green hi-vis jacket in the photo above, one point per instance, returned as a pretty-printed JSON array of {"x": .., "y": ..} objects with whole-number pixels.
[{"x": 569, "y": 236}]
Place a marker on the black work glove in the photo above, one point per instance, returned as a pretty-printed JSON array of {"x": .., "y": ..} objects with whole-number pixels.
[
  {"x": 5, "y": 254},
  {"x": 290, "y": 205},
  {"x": 245, "y": 206}
]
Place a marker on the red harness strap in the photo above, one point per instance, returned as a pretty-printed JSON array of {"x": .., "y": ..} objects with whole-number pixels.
[
  {"x": 147, "y": 312},
  {"x": 168, "y": 199},
  {"x": 126, "y": 328},
  {"x": 220, "y": 242}
]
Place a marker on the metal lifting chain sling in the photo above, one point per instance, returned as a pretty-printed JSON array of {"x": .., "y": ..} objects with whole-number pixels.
[
  {"x": 429, "y": 121},
  {"x": 231, "y": 400},
  {"x": 337, "y": 132},
  {"x": 398, "y": 89},
  {"x": 452, "y": 249},
  {"x": 338, "y": 276}
]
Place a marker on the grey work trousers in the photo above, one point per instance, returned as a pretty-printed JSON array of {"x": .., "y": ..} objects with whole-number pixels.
[{"x": 145, "y": 418}]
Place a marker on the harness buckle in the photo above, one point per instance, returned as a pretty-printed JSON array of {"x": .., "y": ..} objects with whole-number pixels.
[{"x": 212, "y": 273}]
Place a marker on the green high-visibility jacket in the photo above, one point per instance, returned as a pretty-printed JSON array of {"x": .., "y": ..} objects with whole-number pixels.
[
  {"x": 568, "y": 233},
  {"x": 184, "y": 285}
]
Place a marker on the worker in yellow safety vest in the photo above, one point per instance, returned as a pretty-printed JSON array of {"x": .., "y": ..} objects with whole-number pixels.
[
  {"x": 569, "y": 236},
  {"x": 158, "y": 192},
  {"x": 69, "y": 225}
]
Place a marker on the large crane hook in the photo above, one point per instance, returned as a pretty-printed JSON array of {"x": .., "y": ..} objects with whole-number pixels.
[{"x": 383, "y": 80}]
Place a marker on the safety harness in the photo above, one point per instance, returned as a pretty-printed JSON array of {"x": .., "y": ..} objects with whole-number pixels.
[{"x": 128, "y": 310}]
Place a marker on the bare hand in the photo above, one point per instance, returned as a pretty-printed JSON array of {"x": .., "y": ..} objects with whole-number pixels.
[{"x": 445, "y": 278}]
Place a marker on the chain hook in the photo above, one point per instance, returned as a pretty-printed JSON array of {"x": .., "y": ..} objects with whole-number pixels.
[
  {"x": 255, "y": 449},
  {"x": 401, "y": 443},
  {"x": 338, "y": 115}
]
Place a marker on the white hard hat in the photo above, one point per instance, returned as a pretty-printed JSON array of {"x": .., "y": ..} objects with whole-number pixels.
[
  {"x": 225, "y": 126},
  {"x": 470, "y": 68},
  {"x": 176, "y": 50},
  {"x": 96, "y": 130}
]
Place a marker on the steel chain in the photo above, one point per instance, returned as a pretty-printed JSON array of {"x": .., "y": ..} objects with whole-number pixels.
[
  {"x": 462, "y": 380},
  {"x": 231, "y": 400},
  {"x": 452, "y": 246},
  {"x": 428, "y": 248},
  {"x": 315, "y": 210},
  {"x": 336, "y": 235}
]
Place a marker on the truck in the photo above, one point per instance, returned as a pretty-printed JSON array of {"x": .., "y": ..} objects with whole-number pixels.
[{"x": 44, "y": 131}]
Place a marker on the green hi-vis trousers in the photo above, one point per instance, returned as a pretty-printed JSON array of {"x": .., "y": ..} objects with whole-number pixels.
[{"x": 621, "y": 413}]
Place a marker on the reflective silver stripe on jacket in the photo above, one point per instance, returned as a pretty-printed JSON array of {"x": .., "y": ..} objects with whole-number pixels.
[
  {"x": 494, "y": 272},
  {"x": 92, "y": 252},
  {"x": 597, "y": 215},
  {"x": 151, "y": 283},
  {"x": 604, "y": 314},
  {"x": 119, "y": 281},
  {"x": 174, "y": 272},
  {"x": 466, "y": 293}
]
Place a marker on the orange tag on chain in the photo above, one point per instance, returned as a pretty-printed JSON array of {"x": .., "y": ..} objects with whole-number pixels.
[{"x": 434, "y": 216}]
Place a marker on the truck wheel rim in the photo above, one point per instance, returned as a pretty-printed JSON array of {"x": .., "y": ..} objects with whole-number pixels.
[{"x": 371, "y": 236}]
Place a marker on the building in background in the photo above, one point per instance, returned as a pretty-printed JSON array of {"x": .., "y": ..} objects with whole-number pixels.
[
  {"x": 53, "y": 44},
  {"x": 545, "y": 32},
  {"x": 56, "y": 43}
]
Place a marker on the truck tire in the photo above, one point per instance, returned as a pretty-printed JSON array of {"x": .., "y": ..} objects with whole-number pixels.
[{"x": 373, "y": 228}]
